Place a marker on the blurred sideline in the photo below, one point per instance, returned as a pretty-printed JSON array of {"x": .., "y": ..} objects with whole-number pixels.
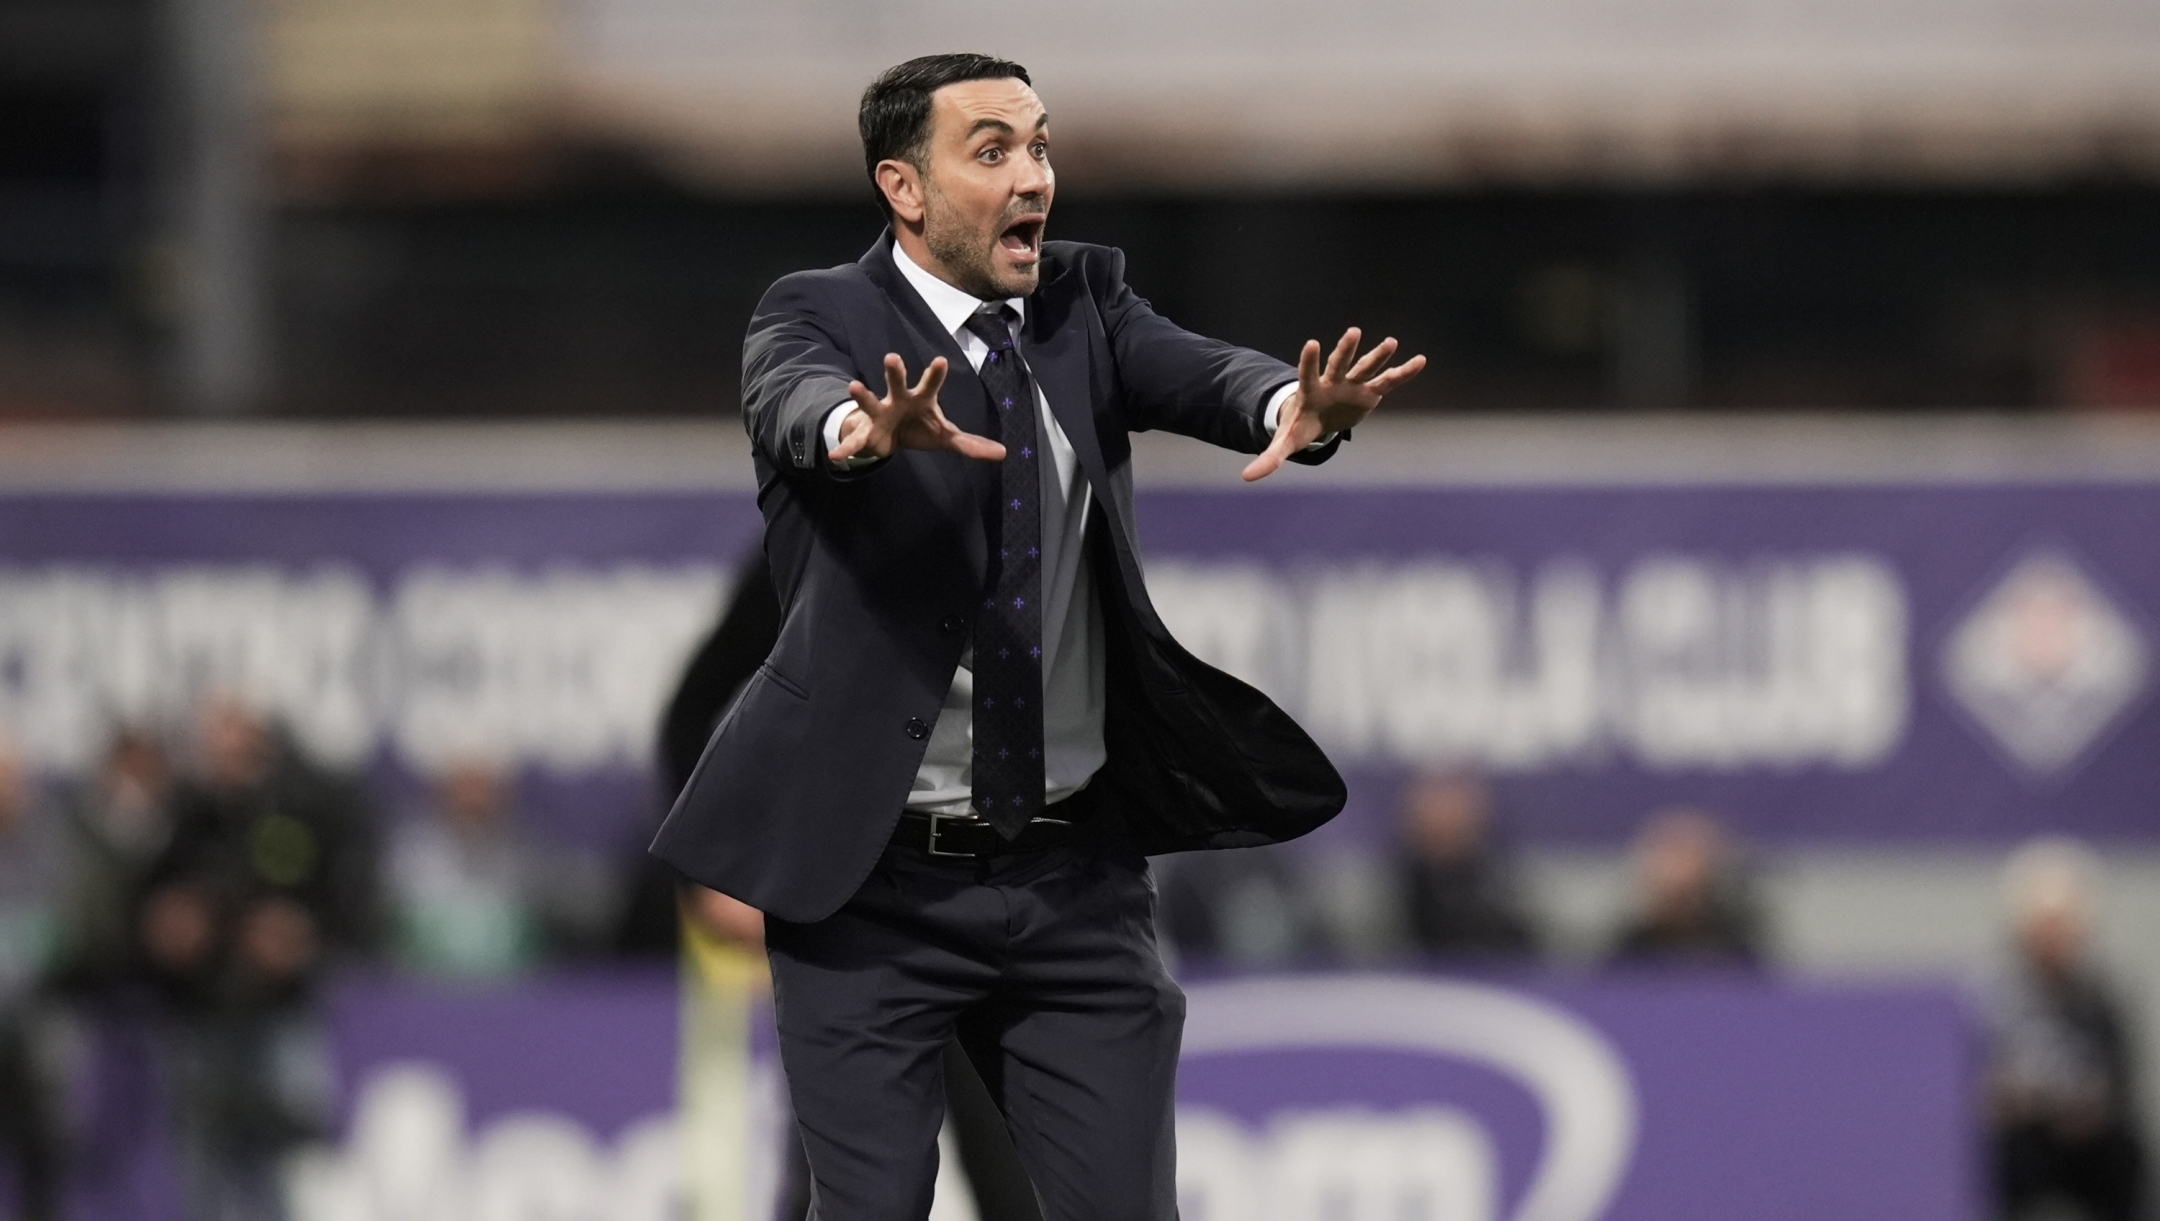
[
  {"x": 644, "y": 455},
  {"x": 1806, "y": 900},
  {"x": 1835, "y": 909}
]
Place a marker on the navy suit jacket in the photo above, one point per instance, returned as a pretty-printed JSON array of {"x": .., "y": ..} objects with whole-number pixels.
[{"x": 879, "y": 572}]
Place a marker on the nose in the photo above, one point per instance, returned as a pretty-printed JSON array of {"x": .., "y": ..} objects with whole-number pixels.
[{"x": 1035, "y": 177}]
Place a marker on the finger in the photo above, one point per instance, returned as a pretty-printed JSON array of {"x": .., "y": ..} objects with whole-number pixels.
[
  {"x": 1279, "y": 449},
  {"x": 942, "y": 423},
  {"x": 853, "y": 440},
  {"x": 982, "y": 449},
  {"x": 1396, "y": 376},
  {"x": 895, "y": 377},
  {"x": 948, "y": 436},
  {"x": 1270, "y": 459},
  {"x": 855, "y": 433},
  {"x": 932, "y": 378},
  {"x": 1345, "y": 348},
  {"x": 1308, "y": 368},
  {"x": 1374, "y": 361}
]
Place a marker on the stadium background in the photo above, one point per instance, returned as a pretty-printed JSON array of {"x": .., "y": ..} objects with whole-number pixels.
[{"x": 1787, "y": 455}]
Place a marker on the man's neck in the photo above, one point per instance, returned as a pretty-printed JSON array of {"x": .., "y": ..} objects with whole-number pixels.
[
  {"x": 911, "y": 243},
  {"x": 950, "y": 304}
]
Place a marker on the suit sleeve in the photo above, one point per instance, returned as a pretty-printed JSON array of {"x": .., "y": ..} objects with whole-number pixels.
[
  {"x": 795, "y": 371},
  {"x": 1185, "y": 383}
]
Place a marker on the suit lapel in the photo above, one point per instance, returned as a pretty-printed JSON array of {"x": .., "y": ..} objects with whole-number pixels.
[
  {"x": 963, "y": 399},
  {"x": 1057, "y": 354}
]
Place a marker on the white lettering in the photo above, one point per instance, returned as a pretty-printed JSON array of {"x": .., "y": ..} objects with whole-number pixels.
[
  {"x": 406, "y": 1158},
  {"x": 82, "y": 649},
  {"x": 1679, "y": 662},
  {"x": 1687, "y": 663},
  {"x": 568, "y": 669}
]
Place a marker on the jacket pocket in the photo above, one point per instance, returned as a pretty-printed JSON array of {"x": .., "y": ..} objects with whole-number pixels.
[{"x": 782, "y": 681}]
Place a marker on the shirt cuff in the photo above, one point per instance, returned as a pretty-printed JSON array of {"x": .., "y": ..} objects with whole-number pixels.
[
  {"x": 833, "y": 420},
  {"x": 1268, "y": 418}
]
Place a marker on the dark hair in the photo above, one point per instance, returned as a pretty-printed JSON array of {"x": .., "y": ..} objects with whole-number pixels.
[{"x": 895, "y": 115}]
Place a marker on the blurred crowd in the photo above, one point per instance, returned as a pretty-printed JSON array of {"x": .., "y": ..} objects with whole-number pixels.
[
  {"x": 2060, "y": 1120},
  {"x": 1453, "y": 890},
  {"x": 180, "y": 909},
  {"x": 197, "y": 892}
]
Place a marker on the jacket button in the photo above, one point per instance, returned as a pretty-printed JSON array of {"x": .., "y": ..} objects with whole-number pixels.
[
  {"x": 916, "y": 729},
  {"x": 952, "y": 625}
]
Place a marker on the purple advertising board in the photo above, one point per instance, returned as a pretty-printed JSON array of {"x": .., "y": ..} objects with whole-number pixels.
[
  {"x": 1556, "y": 1099},
  {"x": 1345, "y": 1097},
  {"x": 1863, "y": 663}
]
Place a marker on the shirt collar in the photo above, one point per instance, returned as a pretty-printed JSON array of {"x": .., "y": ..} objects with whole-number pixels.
[{"x": 951, "y": 306}]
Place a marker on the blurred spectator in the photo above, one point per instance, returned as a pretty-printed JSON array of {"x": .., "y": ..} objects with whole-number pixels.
[
  {"x": 1243, "y": 907},
  {"x": 724, "y": 918},
  {"x": 2060, "y": 1062},
  {"x": 471, "y": 894},
  {"x": 724, "y": 965},
  {"x": 1459, "y": 895},
  {"x": 32, "y": 875},
  {"x": 267, "y": 839},
  {"x": 121, "y": 818},
  {"x": 268, "y": 872},
  {"x": 1690, "y": 904}
]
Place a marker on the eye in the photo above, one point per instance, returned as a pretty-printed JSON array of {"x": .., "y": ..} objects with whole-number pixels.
[
  {"x": 1041, "y": 149},
  {"x": 991, "y": 155}
]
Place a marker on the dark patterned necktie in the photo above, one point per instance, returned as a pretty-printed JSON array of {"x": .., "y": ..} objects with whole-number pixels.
[{"x": 1008, "y": 633}]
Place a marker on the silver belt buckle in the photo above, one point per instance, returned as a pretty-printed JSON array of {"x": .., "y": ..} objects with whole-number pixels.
[{"x": 935, "y": 819}]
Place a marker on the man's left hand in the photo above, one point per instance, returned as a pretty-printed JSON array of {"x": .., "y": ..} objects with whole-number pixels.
[{"x": 1332, "y": 397}]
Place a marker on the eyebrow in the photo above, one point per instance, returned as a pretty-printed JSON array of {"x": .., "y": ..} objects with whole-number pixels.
[{"x": 1041, "y": 121}]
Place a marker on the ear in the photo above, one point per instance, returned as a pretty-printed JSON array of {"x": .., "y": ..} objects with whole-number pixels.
[{"x": 903, "y": 187}]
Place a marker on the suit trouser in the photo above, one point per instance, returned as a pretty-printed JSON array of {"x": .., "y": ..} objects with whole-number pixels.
[
  {"x": 1046, "y": 967},
  {"x": 1003, "y": 1191}
]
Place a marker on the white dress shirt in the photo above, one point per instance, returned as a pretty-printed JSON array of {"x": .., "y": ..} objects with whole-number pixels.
[{"x": 1072, "y": 622}]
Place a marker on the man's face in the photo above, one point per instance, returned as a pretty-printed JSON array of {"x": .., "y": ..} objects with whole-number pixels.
[{"x": 987, "y": 186}]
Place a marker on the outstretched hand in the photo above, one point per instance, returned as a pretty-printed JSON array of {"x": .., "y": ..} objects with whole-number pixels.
[
  {"x": 1332, "y": 397},
  {"x": 906, "y": 418}
]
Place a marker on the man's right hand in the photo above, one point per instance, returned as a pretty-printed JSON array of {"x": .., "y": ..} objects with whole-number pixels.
[{"x": 906, "y": 418}]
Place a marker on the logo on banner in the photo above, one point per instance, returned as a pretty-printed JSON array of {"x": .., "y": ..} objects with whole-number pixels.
[
  {"x": 1682, "y": 662},
  {"x": 1428, "y": 1162},
  {"x": 563, "y": 667},
  {"x": 408, "y": 1158},
  {"x": 2046, "y": 663}
]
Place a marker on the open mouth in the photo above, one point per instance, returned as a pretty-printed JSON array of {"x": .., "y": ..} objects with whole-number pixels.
[{"x": 1022, "y": 239}]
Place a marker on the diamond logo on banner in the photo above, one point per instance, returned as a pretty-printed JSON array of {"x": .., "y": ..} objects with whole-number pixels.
[{"x": 2046, "y": 663}]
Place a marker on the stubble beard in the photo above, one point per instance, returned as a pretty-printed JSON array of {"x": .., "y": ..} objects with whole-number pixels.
[{"x": 968, "y": 254}]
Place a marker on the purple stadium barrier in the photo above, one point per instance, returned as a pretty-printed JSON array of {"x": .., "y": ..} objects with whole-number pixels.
[
  {"x": 1867, "y": 663},
  {"x": 1536, "y": 1098}
]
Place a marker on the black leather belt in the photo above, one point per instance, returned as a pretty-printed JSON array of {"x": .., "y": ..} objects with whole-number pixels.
[{"x": 968, "y": 836}]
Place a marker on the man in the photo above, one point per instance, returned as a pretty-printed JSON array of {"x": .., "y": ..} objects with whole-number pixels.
[
  {"x": 941, "y": 783},
  {"x": 268, "y": 874},
  {"x": 1458, "y": 892},
  {"x": 726, "y": 660},
  {"x": 1691, "y": 904},
  {"x": 471, "y": 892},
  {"x": 2066, "y": 1139}
]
